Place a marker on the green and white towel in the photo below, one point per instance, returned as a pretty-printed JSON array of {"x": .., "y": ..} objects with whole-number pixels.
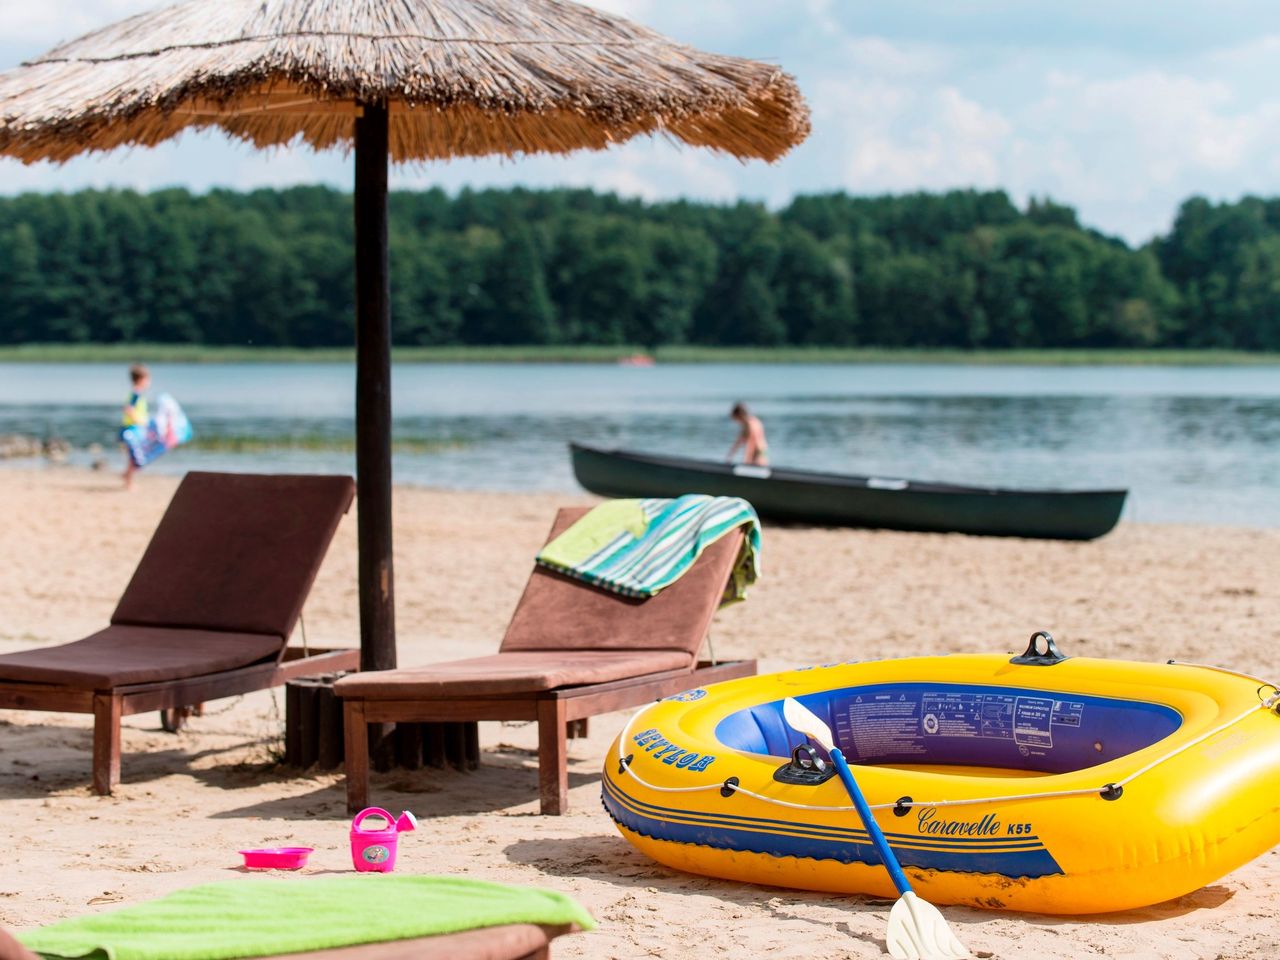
[
  {"x": 638, "y": 547},
  {"x": 262, "y": 918}
]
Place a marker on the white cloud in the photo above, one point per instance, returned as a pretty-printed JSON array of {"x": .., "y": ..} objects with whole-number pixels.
[
  {"x": 997, "y": 95},
  {"x": 1125, "y": 146},
  {"x": 631, "y": 9},
  {"x": 50, "y": 21},
  {"x": 1128, "y": 149},
  {"x": 644, "y": 169},
  {"x": 896, "y": 137},
  {"x": 883, "y": 59}
]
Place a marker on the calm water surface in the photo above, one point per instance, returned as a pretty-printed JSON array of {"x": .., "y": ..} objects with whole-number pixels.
[{"x": 1198, "y": 445}]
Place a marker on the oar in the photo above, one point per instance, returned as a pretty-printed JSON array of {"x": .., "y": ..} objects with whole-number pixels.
[{"x": 916, "y": 928}]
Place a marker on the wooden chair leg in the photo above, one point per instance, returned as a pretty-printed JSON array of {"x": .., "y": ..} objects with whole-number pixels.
[
  {"x": 107, "y": 710},
  {"x": 553, "y": 758},
  {"x": 356, "y": 740}
]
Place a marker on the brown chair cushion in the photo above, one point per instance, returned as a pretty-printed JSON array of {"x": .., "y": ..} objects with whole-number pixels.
[
  {"x": 236, "y": 552},
  {"x": 123, "y": 654},
  {"x": 513, "y": 942},
  {"x": 529, "y": 671},
  {"x": 559, "y": 613}
]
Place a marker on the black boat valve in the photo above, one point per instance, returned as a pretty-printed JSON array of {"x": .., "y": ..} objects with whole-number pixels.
[
  {"x": 1041, "y": 651},
  {"x": 806, "y": 768}
]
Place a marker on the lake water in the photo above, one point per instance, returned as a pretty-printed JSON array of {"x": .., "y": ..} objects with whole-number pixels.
[{"x": 1196, "y": 445}]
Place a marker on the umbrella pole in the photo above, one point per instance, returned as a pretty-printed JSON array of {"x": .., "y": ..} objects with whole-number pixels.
[{"x": 373, "y": 391}]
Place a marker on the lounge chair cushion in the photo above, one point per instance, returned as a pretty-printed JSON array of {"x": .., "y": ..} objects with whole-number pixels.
[
  {"x": 525, "y": 672},
  {"x": 236, "y": 552},
  {"x": 559, "y": 613},
  {"x": 122, "y": 654}
]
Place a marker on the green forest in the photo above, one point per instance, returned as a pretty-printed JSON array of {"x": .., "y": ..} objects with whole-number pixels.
[{"x": 960, "y": 270}]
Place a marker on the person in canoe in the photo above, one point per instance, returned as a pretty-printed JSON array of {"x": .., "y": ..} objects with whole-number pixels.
[{"x": 755, "y": 449}]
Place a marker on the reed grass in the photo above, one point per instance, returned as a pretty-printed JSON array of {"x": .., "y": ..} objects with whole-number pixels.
[
  {"x": 316, "y": 443},
  {"x": 198, "y": 353},
  {"x": 1053, "y": 357}
]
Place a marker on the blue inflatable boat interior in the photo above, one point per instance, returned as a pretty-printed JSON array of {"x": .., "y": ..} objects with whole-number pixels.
[{"x": 1036, "y": 731}]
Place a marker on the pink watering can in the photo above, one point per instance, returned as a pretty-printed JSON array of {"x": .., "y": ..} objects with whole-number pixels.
[{"x": 374, "y": 851}]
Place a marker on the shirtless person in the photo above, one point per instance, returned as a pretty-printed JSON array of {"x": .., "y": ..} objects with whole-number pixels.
[{"x": 755, "y": 449}]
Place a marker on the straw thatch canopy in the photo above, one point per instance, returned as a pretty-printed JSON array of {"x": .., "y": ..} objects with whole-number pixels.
[{"x": 460, "y": 78}]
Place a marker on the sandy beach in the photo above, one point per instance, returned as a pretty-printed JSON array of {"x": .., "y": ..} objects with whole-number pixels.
[{"x": 189, "y": 801}]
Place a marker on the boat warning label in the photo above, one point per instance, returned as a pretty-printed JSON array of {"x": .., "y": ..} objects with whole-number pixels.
[
  {"x": 883, "y": 724},
  {"x": 1031, "y": 726},
  {"x": 1067, "y": 714},
  {"x": 902, "y": 724},
  {"x": 968, "y": 715}
]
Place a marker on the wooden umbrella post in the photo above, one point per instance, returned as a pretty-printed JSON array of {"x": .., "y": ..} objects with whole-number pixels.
[{"x": 373, "y": 398}]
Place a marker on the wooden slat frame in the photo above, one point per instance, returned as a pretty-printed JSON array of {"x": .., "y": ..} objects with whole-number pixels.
[{"x": 110, "y": 705}]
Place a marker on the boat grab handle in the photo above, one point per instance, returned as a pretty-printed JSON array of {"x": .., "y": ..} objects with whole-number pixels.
[
  {"x": 1042, "y": 651},
  {"x": 806, "y": 768}
]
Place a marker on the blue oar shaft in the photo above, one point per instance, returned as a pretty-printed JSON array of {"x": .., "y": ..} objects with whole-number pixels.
[{"x": 887, "y": 856}]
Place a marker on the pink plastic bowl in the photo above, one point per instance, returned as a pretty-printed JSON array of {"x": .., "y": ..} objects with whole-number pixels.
[{"x": 276, "y": 858}]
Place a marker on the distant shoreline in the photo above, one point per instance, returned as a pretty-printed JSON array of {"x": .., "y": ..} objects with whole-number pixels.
[{"x": 200, "y": 353}]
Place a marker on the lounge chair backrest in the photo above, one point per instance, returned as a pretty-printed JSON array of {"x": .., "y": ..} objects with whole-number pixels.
[
  {"x": 559, "y": 613},
  {"x": 236, "y": 553}
]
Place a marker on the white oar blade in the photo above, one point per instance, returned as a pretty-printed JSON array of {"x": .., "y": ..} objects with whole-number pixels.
[
  {"x": 807, "y": 722},
  {"x": 917, "y": 931}
]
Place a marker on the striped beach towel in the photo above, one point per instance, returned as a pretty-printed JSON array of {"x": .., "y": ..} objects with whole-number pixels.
[{"x": 638, "y": 547}]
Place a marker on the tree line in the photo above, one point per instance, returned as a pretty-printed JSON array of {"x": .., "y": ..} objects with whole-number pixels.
[{"x": 962, "y": 269}]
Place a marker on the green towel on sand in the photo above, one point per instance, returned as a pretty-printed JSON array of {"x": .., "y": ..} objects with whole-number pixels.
[{"x": 259, "y": 917}]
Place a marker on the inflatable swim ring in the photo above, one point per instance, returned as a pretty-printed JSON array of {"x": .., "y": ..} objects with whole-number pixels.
[{"x": 1052, "y": 785}]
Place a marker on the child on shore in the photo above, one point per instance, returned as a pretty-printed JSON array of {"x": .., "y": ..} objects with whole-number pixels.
[{"x": 135, "y": 414}]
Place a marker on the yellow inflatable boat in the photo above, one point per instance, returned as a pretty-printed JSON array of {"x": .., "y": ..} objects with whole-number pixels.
[{"x": 1039, "y": 783}]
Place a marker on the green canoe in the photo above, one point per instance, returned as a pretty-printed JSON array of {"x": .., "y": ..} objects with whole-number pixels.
[{"x": 829, "y": 499}]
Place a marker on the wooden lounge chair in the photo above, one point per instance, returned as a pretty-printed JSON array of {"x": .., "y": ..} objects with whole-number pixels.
[
  {"x": 208, "y": 613},
  {"x": 571, "y": 651},
  {"x": 517, "y": 941}
]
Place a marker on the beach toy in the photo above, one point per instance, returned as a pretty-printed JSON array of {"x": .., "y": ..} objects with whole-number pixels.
[
  {"x": 276, "y": 858},
  {"x": 1040, "y": 782},
  {"x": 374, "y": 851},
  {"x": 166, "y": 429}
]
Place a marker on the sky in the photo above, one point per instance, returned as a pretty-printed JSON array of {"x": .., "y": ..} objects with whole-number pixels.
[{"x": 1121, "y": 108}]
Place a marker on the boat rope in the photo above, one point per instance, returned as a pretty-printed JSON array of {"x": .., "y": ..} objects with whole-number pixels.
[
  {"x": 1272, "y": 702},
  {"x": 1108, "y": 791},
  {"x": 1216, "y": 669},
  {"x": 1187, "y": 746}
]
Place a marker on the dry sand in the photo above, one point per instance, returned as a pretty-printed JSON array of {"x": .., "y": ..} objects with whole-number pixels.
[{"x": 190, "y": 801}]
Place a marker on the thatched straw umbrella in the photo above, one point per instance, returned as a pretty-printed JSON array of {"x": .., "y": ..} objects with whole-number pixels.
[{"x": 409, "y": 80}]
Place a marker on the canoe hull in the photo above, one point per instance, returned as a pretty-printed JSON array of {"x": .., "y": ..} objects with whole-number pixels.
[{"x": 791, "y": 496}]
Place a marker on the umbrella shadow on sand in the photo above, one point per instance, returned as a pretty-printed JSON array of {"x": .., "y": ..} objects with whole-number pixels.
[
  {"x": 47, "y": 758},
  {"x": 503, "y": 782}
]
